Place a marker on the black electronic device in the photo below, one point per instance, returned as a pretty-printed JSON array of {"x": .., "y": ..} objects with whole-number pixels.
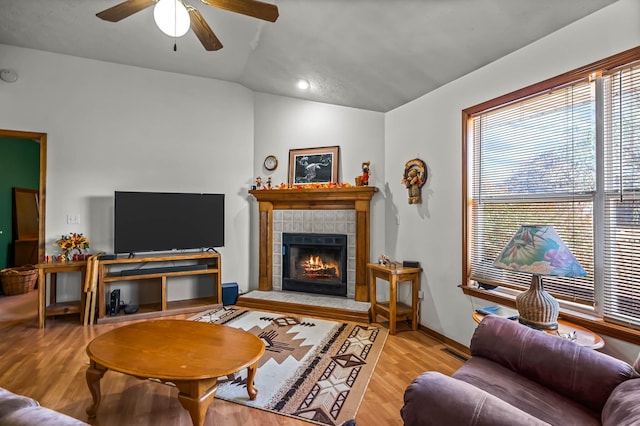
[
  {"x": 107, "y": 257},
  {"x": 114, "y": 304},
  {"x": 131, "y": 309},
  {"x": 162, "y": 269},
  {"x": 163, "y": 221},
  {"x": 410, "y": 264}
]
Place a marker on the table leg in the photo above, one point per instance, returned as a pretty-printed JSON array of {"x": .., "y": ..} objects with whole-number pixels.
[
  {"x": 392, "y": 304},
  {"x": 42, "y": 294},
  {"x": 372, "y": 295},
  {"x": 196, "y": 396},
  {"x": 251, "y": 374},
  {"x": 94, "y": 373},
  {"x": 415, "y": 285}
]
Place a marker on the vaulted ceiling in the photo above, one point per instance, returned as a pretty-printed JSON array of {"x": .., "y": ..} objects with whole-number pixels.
[{"x": 369, "y": 54}]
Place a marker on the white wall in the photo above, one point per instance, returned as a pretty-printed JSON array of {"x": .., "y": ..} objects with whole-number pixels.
[
  {"x": 284, "y": 123},
  {"x": 113, "y": 127},
  {"x": 431, "y": 127}
]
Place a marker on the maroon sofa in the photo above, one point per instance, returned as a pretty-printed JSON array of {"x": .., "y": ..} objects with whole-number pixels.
[
  {"x": 521, "y": 376},
  {"x": 18, "y": 410}
]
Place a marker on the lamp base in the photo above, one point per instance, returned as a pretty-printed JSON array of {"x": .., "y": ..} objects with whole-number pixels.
[
  {"x": 537, "y": 308},
  {"x": 538, "y": 325}
]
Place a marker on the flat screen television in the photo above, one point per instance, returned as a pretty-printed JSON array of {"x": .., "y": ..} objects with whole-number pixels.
[{"x": 164, "y": 221}]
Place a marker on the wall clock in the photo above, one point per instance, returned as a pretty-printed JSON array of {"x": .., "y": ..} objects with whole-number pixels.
[{"x": 270, "y": 162}]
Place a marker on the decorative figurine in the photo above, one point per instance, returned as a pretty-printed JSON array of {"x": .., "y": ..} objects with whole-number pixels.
[
  {"x": 269, "y": 182},
  {"x": 415, "y": 175},
  {"x": 364, "y": 180},
  {"x": 258, "y": 182}
]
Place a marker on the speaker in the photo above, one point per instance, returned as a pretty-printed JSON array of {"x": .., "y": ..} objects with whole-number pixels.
[
  {"x": 107, "y": 257},
  {"x": 229, "y": 293},
  {"x": 114, "y": 305},
  {"x": 410, "y": 264}
]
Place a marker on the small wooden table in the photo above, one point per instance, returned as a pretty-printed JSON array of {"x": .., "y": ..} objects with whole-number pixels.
[
  {"x": 583, "y": 337},
  {"x": 55, "y": 308},
  {"x": 393, "y": 310},
  {"x": 190, "y": 354}
]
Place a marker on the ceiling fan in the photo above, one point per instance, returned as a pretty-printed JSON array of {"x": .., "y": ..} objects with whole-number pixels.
[{"x": 253, "y": 8}]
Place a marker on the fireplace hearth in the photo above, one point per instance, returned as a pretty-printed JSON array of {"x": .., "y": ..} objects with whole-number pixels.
[{"x": 315, "y": 263}]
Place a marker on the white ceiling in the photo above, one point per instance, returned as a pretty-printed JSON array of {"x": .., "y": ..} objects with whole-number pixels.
[{"x": 369, "y": 54}]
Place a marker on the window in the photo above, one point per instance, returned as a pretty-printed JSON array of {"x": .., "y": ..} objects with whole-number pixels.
[{"x": 564, "y": 152}]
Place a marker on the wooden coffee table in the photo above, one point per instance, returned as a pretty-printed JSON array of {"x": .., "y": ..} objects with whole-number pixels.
[{"x": 190, "y": 354}]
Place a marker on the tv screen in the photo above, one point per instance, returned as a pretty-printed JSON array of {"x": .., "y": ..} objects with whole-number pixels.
[{"x": 163, "y": 221}]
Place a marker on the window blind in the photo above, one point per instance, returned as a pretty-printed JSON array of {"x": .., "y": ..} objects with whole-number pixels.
[
  {"x": 533, "y": 162},
  {"x": 622, "y": 196}
]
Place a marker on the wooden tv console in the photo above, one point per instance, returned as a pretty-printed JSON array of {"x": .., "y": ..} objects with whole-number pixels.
[{"x": 208, "y": 261}]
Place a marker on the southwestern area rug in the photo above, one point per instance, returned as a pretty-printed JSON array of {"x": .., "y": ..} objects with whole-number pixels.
[{"x": 313, "y": 369}]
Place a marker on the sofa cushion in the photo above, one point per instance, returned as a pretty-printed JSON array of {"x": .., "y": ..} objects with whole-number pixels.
[
  {"x": 529, "y": 396},
  {"x": 556, "y": 363},
  {"x": 622, "y": 408}
]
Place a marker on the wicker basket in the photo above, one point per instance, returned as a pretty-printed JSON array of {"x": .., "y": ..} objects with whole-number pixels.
[{"x": 18, "y": 280}]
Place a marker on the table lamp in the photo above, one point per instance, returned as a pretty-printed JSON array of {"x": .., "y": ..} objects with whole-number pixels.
[{"x": 539, "y": 250}]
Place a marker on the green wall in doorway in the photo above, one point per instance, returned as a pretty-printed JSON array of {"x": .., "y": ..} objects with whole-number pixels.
[{"x": 20, "y": 168}]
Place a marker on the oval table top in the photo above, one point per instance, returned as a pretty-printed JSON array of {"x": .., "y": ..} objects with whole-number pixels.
[
  {"x": 176, "y": 349},
  {"x": 583, "y": 336}
]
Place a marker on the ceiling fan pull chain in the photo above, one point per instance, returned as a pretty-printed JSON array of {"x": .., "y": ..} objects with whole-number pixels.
[{"x": 175, "y": 27}]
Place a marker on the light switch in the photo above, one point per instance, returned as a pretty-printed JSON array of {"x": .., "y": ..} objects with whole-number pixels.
[{"x": 73, "y": 219}]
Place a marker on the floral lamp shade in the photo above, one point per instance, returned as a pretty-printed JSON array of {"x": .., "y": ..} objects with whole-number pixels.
[{"x": 539, "y": 250}]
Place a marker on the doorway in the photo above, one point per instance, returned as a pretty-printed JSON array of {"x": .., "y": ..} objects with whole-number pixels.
[{"x": 16, "y": 136}]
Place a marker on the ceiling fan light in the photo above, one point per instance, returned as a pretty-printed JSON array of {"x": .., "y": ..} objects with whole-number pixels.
[
  {"x": 303, "y": 84},
  {"x": 171, "y": 17}
]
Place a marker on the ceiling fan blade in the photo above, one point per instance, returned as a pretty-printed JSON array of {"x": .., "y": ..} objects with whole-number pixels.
[
  {"x": 254, "y": 8},
  {"x": 124, "y": 9},
  {"x": 203, "y": 31}
]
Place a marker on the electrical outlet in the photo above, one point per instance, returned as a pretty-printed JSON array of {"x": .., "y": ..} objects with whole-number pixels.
[{"x": 420, "y": 294}]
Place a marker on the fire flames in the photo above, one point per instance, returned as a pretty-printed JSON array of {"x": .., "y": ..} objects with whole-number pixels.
[{"x": 314, "y": 267}]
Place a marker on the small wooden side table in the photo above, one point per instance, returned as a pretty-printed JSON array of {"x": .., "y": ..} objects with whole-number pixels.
[
  {"x": 55, "y": 308},
  {"x": 583, "y": 337},
  {"x": 393, "y": 310}
]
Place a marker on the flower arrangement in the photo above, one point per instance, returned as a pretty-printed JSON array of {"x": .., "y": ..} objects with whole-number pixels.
[
  {"x": 316, "y": 185},
  {"x": 73, "y": 241}
]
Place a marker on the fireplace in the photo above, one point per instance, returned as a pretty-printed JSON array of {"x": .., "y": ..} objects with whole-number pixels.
[
  {"x": 356, "y": 199},
  {"x": 315, "y": 263}
]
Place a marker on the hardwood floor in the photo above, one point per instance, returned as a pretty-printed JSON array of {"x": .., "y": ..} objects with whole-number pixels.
[{"x": 49, "y": 365}]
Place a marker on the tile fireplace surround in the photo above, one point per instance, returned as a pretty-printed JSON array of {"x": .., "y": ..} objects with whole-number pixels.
[{"x": 321, "y": 210}]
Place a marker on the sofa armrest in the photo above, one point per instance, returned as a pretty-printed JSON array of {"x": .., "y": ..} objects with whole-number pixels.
[
  {"x": 435, "y": 399},
  {"x": 18, "y": 410},
  {"x": 10, "y": 402},
  {"x": 622, "y": 408},
  {"x": 579, "y": 373}
]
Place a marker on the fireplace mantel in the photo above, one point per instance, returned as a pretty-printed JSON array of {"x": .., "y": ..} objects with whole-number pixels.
[{"x": 351, "y": 198}]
